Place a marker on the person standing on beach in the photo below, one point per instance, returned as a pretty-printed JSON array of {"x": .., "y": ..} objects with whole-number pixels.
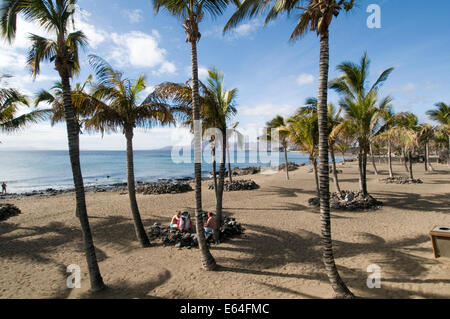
[{"x": 4, "y": 188}]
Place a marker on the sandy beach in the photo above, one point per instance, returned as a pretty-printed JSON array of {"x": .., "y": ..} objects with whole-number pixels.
[{"x": 277, "y": 257}]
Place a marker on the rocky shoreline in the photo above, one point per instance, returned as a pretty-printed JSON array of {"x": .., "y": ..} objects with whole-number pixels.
[{"x": 162, "y": 186}]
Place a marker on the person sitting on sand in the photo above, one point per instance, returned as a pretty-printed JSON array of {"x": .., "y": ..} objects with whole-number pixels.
[
  {"x": 210, "y": 224},
  {"x": 175, "y": 220},
  {"x": 4, "y": 188}
]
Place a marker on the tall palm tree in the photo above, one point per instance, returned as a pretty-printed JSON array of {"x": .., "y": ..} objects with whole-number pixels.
[
  {"x": 217, "y": 107},
  {"x": 116, "y": 108},
  {"x": 362, "y": 106},
  {"x": 315, "y": 16},
  {"x": 221, "y": 106},
  {"x": 240, "y": 142},
  {"x": 409, "y": 129},
  {"x": 426, "y": 135},
  {"x": 441, "y": 114},
  {"x": 10, "y": 102},
  {"x": 304, "y": 132},
  {"x": 335, "y": 129},
  {"x": 388, "y": 134},
  {"x": 279, "y": 124},
  {"x": 56, "y": 17},
  {"x": 191, "y": 12}
]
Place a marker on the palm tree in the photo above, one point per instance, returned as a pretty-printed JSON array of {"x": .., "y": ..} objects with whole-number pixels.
[
  {"x": 116, "y": 108},
  {"x": 335, "y": 128},
  {"x": 221, "y": 105},
  {"x": 304, "y": 132},
  {"x": 80, "y": 100},
  {"x": 217, "y": 106},
  {"x": 362, "y": 106},
  {"x": 441, "y": 114},
  {"x": 316, "y": 17},
  {"x": 55, "y": 16},
  {"x": 426, "y": 135},
  {"x": 409, "y": 128},
  {"x": 191, "y": 12},
  {"x": 240, "y": 142},
  {"x": 388, "y": 134},
  {"x": 279, "y": 124},
  {"x": 10, "y": 102}
]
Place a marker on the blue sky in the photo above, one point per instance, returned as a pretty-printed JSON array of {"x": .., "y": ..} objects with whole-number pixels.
[{"x": 273, "y": 76}]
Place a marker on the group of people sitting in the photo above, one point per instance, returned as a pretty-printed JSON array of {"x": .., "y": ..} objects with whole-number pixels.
[{"x": 182, "y": 221}]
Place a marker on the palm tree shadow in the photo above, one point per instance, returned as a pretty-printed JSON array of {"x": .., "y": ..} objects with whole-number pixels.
[
  {"x": 264, "y": 248},
  {"x": 416, "y": 202},
  {"x": 123, "y": 289},
  {"x": 284, "y": 192}
]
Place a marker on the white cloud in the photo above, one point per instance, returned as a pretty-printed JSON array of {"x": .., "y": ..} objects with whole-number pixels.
[
  {"x": 141, "y": 50},
  {"x": 242, "y": 31},
  {"x": 268, "y": 110},
  {"x": 202, "y": 72},
  {"x": 11, "y": 60},
  {"x": 166, "y": 68},
  {"x": 305, "y": 79},
  {"x": 135, "y": 16},
  {"x": 245, "y": 29}
]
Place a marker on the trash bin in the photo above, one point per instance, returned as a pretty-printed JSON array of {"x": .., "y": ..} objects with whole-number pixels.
[{"x": 440, "y": 239}]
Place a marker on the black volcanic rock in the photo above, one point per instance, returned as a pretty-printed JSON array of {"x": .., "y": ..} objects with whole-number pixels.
[
  {"x": 164, "y": 188},
  {"x": 349, "y": 201},
  {"x": 237, "y": 185},
  {"x": 7, "y": 211}
]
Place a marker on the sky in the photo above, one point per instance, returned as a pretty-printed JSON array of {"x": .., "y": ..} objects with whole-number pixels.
[{"x": 273, "y": 76}]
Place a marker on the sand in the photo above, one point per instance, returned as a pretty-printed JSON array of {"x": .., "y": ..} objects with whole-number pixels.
[{"x": 278, "y": 256}]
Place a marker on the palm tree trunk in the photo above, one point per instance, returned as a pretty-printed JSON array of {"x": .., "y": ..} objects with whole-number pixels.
[
  {"x": 286, "y": 163},
  {"x": 364, "y": 171},
  {"x": 448, "y": 152},
  {"x": 208, "y": 261},
  {"x": 427, "y": 156},
  {"x": 138, "y": 226},
  {"x": 411, "y": 177},
  {"x": 339, "y": 287},
  {"x": 316, "y": 175},
  {"x": 343, "y": 158},
  {"x": 373, "y": 160},
  {"x": 214, "y": 164},
  {"x": 391, "y": 175},
  {"x": 229, "y": 165},
  {"x": 404, "y": 159},
  {"x": 360, "y": 167},
  {"x": 95, "y": 277},
  {"x": 219, "y": 199},
  {"x": 335, "y": 175}
]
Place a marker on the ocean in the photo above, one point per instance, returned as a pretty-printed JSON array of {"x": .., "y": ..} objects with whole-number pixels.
[{"x": 27, "y": 171}]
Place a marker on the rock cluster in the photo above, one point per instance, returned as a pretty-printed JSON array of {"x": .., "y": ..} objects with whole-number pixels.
[
  {"x": 237, "y": 185},
  {"x": 164, "y": 188},
  {"x": 174, "y": 237},
  {"x": 400, "y": 180},
  {"x": 291, "y": 166},
  {"x": 7, "y": 211},
  {"x": 236, "y": 171},
  {"x": 349, "y": 200}
]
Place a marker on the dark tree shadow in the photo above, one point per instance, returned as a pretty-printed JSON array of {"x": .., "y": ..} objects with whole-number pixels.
[
  {"x": 416, "y": 202},
  {"x": 267, "y": 248},
  {"x": 125, "y": 290}
]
